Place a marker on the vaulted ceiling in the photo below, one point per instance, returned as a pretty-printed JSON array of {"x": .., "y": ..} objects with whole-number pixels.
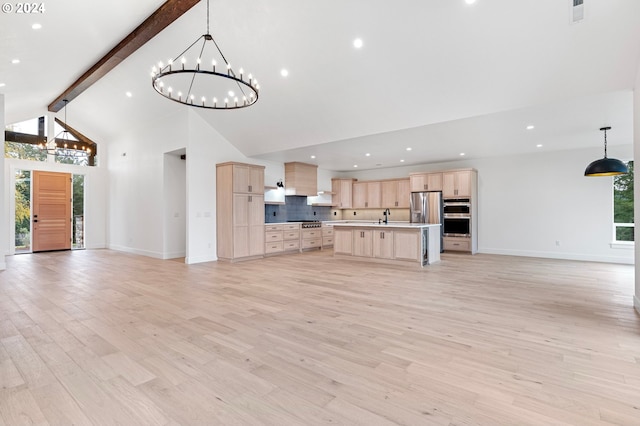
[{"x": 440, "y": 76}]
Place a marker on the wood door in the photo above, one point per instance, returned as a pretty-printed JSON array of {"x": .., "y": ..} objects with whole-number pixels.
[
  {"x": 342, "y": 241},
  {"x": 464, "y": 184},
  {"x": 346, "y": 193},
  {"x": 373, "y": 195},
  {"x": 404, "y": 194},
  {"x": 389, "y": 194},
  {"x": 383, "y": 244},
  {"x": 359, "y": 195},
  {"x": 406, "y": 245},
  {"x": 362, "y": 243},
  {"x": 51, "y": 211},
  {"x": 434, "y": 182},
  {"x": 449, "y": 186},
  {"x": 418, "y": 182}
]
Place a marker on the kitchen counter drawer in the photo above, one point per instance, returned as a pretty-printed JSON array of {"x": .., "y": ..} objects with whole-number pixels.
[
  {"x": 457, "y": 244},
  {"x": 313, "y": 242},
  {"x": 273, "y": 247},
  {"x": 273, "y": 227},
  {"x": 291, "y": 245},
  {"x": 291, "y": 226},
  {"x": 327, "y": 241},
  {"x": 291, "y": 235},
  {"x": 270, "y": 236},
  {"x": 311, "y": 233},
  {"x": 327, "y": 232}
]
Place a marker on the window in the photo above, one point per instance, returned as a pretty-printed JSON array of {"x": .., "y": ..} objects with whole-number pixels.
[{"x": 623, "y": 225}]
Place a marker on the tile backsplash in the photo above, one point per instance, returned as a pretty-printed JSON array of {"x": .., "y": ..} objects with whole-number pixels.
[{"x": 294, "y": 209}]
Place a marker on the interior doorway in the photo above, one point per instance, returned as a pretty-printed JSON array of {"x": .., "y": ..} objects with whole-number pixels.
[{"x": 175, "y": 204}]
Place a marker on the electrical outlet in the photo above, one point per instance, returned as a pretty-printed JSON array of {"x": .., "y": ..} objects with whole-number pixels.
[
  {"x": 354, "y": 213},
  {"x": 274, "y": 213},
  {"x": 335, "y": 213},
  {"x": 314, "y": 213}
]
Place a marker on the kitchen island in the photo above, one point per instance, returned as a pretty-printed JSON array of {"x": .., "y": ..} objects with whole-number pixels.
[{"x": 393, "y": 242}]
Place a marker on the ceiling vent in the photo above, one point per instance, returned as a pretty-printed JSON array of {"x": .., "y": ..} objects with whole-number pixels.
[{"x": 577, "y": 10}]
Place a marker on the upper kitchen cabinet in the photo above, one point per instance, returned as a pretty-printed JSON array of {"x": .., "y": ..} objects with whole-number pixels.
[
  {"x": 425, "y": 182},
  {"x": 342, "y": 193},
  {"x": 367, "y": 195},
  {"x": 247, "y": 178},
  {"x": 300, "y": 179},
  {"x": 395, "y": 193},
  {"x": 240, "y": 211},
  {"x": 458, "y": 183}
]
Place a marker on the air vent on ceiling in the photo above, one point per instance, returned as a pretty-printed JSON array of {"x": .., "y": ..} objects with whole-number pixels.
[{"x": 577, "y": 10}]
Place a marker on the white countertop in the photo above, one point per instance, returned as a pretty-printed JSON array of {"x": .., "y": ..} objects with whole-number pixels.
[{"x": 372, "y": 224}]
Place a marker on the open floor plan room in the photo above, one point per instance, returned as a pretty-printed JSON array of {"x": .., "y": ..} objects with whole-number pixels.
[{"x": 104, "y": 337}]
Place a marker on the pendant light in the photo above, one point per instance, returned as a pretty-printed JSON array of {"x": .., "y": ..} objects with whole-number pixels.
[{"x": 606, "y": 166}]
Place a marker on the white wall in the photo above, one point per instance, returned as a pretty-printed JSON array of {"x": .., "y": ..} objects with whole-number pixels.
[
  {"x": 175, "y": 205},
  {"x": 135, "y": 162},
  {"x": 95, "y": 199},
  {"x": 526, "y": 203},
  {"x": 4, "y": 200}
]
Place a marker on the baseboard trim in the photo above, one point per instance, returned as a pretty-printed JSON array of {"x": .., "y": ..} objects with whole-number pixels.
[
  {"x": 131, "y": 250},
  {"x": 174, "y": 255},
  {"x": 199, "y": 259},
  {"x": 561, "y": 256},
  {"x": 636, "y": 303}
]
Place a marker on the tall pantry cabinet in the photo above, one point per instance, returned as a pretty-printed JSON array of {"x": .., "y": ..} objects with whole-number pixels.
[{"x": 239, "y": 211}]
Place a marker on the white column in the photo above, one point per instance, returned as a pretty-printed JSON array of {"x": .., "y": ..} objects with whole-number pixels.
[
  {"x": 636, "y": 180},
  {"x": 4, "y": 198}
]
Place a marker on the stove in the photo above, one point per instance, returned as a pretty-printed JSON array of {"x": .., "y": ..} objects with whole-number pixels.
[{"x": 307, "y": 224}]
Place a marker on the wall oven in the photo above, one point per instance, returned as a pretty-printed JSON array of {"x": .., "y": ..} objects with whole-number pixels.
[
  {"x": 457, "y": 206},
  {"x": 456, "y": 220}
]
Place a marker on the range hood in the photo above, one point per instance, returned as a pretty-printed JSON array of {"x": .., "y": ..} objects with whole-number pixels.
[{"x": 300, "y": 179}]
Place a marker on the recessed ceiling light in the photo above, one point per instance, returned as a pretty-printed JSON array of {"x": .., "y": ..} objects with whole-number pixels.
[
  {"x": 284, "y": 72},
  {"x": 129, "y": 94},
  {"x": 462, "y": 154},
  {"x": 2, "y": 84},
  {"x": 531, "y": 127},
  {"x": 539, "y": 145},
  {"x": 357, "y": 43},
  {"x": 15, "y": 61},
  {"x": 409, "y": 149},
  {"x": 367, "y": 155},
  {"x": 402, "y": 161},
  {"x": 313, "y": 156},
  {"x": 355, "y": 165},
  {"x": 36, "y": 26},
  {"x": 469, "y": 1}
]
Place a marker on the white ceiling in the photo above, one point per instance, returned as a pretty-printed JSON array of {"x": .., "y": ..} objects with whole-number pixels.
[{"x": 439, "y": 76}]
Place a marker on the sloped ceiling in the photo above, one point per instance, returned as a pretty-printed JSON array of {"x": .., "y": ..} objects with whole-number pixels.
[{"x": 441, "y": 76}]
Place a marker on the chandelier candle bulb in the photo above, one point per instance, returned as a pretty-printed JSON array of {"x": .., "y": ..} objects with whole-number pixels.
[{"x": 226, "y": 101}]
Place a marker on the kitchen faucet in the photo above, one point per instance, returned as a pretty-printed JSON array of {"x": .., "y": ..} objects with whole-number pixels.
[{"x": 386, "y": 214}]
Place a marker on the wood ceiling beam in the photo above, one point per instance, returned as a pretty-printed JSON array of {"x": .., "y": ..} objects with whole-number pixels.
[{"x": 154, "y": 24}]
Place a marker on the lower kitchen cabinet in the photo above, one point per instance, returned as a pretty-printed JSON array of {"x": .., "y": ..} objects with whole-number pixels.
[
  {"x": 311, "y": 238},
  {"x": 383, "y": 244},
  {"x": 327, "y": 235},
  {"x": 279, "y": 238},
  {"x": 457, "y": 244},
  {"x": 342, "y": 241},
  {"x": 407, "y": 245},
  {"x": 362, "y": 243}
]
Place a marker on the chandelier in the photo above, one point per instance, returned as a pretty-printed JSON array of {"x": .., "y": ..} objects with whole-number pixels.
[
  {"x": 68, "y": 147},
  {"x": 202, "y": 77}
]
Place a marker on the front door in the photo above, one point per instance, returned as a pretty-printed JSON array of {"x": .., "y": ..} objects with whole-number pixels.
[{"x": 51, "y": 211}]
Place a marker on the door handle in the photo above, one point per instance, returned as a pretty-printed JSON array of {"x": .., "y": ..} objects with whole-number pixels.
[{"x": 35, "y": 220}]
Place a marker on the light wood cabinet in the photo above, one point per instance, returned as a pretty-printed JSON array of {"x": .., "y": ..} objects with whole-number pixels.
[
  {"x": 367, "y": 195},
  {"x": 425, "y": 182},
  {"x": 311, "y": 238},
  {"x": 362, "y": 243},
  {"x": 240, "y": 211},
  {"x": 300, "y": 179},
  {"x": 342, "y": 241},
  {"x": 395, "y": 193},
  {"x": 342, "y": 193},
  {"x": 457, "y": 184},
  {"x": 248, "y": 179},
  {"x": 407, "y": 245},
  {"x": 383, "y": 244},
  {"x": 327, "y": 235}
]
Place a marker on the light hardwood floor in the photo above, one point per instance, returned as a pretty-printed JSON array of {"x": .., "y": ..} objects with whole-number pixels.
[{"x": 101, "y": 337}]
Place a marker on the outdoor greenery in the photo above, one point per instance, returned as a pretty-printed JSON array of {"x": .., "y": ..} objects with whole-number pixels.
[
  {"x": 23, "y": 209},
  {"x": 24, "y": 151},
  {"x": 623, "y": 204}
]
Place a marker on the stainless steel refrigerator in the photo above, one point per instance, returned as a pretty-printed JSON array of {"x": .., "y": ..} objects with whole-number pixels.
[{"x": 428, "y": 207}]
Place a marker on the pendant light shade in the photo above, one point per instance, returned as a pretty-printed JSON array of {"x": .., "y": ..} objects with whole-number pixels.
[{"x": 606, "y": 166}]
